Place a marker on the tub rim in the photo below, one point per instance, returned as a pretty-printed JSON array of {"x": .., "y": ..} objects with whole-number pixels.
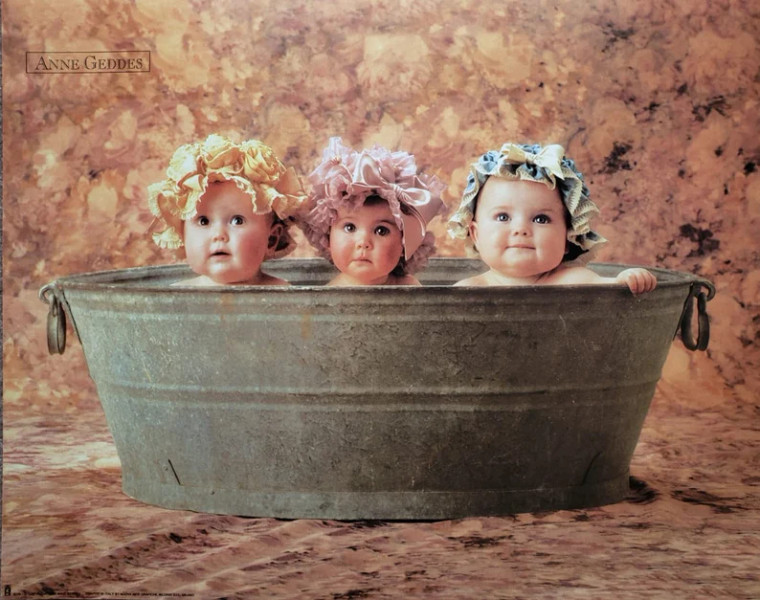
[
  {"x": 117, "y": 278},
  {"x": 123, "y": 280}
]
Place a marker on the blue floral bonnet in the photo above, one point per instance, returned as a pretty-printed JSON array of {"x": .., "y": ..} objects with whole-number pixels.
[{"x": 547, "y": 165}]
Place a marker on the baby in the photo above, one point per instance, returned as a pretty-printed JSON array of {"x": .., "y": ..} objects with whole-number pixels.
[
  {"x": 527, "y": 212},
  {"x": 229, "y": 205},
  {"x": 369, "y": 215}
]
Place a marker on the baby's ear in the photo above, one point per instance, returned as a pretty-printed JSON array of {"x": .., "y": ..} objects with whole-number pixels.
[
  {"x": 275, "y": 232},
  {"x": 473, "y": 229}
]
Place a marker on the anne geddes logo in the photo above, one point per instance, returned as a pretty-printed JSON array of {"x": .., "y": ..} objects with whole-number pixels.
[{"x": 124, "y": 61}]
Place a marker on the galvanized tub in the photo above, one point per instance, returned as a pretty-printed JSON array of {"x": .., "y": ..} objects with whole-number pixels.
[{"x": 373, "y": 403}]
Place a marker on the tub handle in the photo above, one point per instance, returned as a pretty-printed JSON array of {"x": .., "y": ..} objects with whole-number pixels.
[
  {"x": 703, "y": 319},
  {"x": 56, "y": 319}
]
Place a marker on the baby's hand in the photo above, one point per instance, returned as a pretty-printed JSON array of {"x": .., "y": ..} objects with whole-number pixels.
[{"x": 638, "y": 280}]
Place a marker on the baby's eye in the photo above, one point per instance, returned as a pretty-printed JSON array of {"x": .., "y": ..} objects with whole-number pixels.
[
  {"x": 349, "y": 227},
  {"x": 237, "y": 220},
  {"x": 542, "y": 219},
  {"x": 502, "y": 217},
  {"x": 202, "y": 221},
  {"x": 382, "y": 230}
]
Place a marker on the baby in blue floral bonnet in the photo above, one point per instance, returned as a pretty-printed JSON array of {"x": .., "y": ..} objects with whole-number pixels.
[{"x": 527, "y": 212}]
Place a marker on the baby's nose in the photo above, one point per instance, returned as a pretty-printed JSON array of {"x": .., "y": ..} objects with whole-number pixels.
[
  {"x": 519, "y": 227},
  {"x": 220, "y": 233}
]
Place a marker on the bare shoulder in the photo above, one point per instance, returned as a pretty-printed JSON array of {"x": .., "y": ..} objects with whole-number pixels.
[
  {"x": 475, "y": 281},
  {"x": 338, "y": 281},
  {"x": 571, "y": 275},
  {"x": 201, "y": 281},
  {"x": 403, "y": 280},
  {"x": 271, "y": 280}
]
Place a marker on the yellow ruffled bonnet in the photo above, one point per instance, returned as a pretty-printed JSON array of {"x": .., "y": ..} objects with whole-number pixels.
[{"x": 251, "y": 165}]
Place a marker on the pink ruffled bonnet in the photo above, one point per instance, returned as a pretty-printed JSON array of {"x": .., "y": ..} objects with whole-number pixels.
[{"x": 345, "y": 178}]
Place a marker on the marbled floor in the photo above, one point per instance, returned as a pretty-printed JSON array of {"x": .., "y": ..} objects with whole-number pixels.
[{"x": 689, "y": 529}]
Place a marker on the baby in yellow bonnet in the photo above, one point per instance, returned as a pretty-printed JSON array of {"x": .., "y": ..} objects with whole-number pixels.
[{"x": 230, "y": 206}]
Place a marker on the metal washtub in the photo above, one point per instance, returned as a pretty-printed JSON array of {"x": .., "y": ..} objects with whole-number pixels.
[{"x": 423, "y": 402}]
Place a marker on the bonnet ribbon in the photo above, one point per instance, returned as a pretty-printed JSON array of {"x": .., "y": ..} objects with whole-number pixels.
[
  {"x": 408, "y": 190},
  {"x": 550, "y": 158}
]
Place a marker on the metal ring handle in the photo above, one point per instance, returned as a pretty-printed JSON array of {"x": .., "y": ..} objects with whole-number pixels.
[
  {"x": 56, "y": 328},
  {"x": 707, "y": 285},
  {"x": 703, "y": 319},
  {"x": 45, "y": 290},
  {"x": 56, "y": 319}
]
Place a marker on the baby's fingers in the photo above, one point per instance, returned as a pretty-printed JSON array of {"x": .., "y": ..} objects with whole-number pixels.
[
  {"x": 639, "y": 281},
  {"x": 650, "y": 281}
]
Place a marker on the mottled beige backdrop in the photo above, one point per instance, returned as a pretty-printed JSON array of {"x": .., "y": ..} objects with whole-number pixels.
[{"x": 658, "y": 103}]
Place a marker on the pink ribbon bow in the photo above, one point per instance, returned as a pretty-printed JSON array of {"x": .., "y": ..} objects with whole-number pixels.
[{"x": 373, "y": 176}]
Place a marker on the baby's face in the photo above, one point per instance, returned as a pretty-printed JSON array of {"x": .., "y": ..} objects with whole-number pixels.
[
  {"x": 226, "y": 241},
  {"x": 519, "y": 227},
  {"x": 365, "y": 243}
]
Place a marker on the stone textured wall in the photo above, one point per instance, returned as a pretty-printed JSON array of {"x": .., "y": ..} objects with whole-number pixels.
[{"x": 657, "y": 103}]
